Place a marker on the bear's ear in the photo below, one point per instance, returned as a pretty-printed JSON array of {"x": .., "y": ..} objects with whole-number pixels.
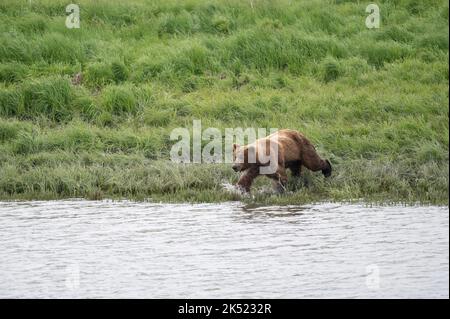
[{"x": 235, "y": 147}]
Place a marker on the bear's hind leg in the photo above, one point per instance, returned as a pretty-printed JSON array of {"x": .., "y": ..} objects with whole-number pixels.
[{"x": 295, "y": 167}]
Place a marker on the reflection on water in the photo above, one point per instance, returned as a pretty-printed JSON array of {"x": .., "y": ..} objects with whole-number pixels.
[{"x": 97, "y": 249}]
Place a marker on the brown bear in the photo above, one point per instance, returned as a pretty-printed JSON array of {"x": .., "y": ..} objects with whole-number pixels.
[{"x": 272, "y": 155}]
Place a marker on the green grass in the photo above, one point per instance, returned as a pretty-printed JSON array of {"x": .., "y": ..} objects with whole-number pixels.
[{"x": 373, "y": 101}]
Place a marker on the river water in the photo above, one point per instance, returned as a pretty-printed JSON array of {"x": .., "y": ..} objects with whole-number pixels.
[{"x": 121, "y": 249}]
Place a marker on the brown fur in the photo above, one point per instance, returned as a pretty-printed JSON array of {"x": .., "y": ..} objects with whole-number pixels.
[{"x": 294, "y": 151}]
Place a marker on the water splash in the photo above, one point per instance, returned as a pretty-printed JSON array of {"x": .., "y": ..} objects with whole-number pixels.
[{"x": 234, "y": 189}]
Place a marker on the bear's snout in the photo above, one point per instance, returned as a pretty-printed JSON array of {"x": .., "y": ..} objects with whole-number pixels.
[{"x": 235, "y": 167}]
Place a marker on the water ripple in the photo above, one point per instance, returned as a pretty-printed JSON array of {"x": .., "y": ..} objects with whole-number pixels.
[{"x": 100, "y": 249}]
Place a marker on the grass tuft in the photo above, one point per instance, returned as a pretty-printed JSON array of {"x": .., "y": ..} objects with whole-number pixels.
[
  {"x": 50, "y": 97},
  {"x": 119, "y": 100},
  {"x": 12, "y": 72}
]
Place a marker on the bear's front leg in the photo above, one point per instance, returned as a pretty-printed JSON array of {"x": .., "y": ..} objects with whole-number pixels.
[{"x": 247, "y": 177}]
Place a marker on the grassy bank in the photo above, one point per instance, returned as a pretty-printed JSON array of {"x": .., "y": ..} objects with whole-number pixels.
[{"x": 373, "y": 101}]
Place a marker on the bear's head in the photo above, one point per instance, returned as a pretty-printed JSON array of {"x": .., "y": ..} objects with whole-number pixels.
[{"x": 244, "y": 157}]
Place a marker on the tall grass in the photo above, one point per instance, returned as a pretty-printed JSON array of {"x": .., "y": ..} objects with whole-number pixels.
[{"x": 88, "y": 112}]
